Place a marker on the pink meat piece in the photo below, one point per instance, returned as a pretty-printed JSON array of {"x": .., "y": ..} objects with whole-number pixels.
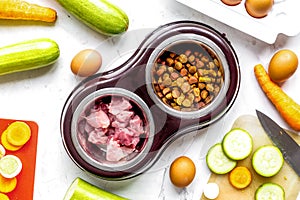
[
  {"x": 124, "y": 136},
  {"x": 115, "y": 152},
  {"x": 98, "y": 119},
  {"x": 117, "y": 124},
  {"x": 118, "y": 105},
  {"x": 98, "y": 136},
  {"x": 124, "y": 116},
  {"x": 137, "y": 125}
]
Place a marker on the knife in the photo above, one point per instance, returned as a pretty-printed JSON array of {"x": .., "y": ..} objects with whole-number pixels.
[{"x": 289, "y": 148}]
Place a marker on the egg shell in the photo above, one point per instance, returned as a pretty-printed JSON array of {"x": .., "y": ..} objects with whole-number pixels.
[
  {"x": 231, "y": 2},
  {"x": 282, "y": 65},
  {"x": 258, "y": 8},
  {"x": 86, "y": 63},
  {"x": 182, "y": 171}
]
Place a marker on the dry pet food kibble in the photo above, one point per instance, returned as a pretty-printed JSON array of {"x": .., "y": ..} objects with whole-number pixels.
[{"x": 187, "y": 80}]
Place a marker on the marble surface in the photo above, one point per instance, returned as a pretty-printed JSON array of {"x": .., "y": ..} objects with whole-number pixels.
[{"x": 39, "y": 95}]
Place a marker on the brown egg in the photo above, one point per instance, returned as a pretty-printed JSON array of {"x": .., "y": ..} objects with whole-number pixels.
[
  {"x": 283, "y": 65},
  {"x": 182, "y": 171},
  {"x": 231, "y": 2},
  {"x": 258, "y": 8},
  {"x": 86, "y": 63}
]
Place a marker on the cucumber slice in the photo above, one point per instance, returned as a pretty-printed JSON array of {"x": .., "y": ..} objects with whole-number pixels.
[
  {"x": 217, "y": 161},
  {"x": 237, "y": 144},
  {"x": 267, "y": 160},
  {"x": 270, "y": 191}
]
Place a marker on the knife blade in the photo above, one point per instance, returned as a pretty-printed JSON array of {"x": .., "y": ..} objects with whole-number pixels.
[{"x": 289, "y": 148}]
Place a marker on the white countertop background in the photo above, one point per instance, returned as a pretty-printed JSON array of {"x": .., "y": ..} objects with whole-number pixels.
[{"x": 39, "y": 95}]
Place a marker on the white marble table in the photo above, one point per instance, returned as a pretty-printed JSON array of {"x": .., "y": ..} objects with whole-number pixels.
[{"x": 39, "y": 96}]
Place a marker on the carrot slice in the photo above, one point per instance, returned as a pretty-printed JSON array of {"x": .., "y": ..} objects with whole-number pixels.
[
  {"x": 18, "y": 133},
  {"x": 3, "y": 196},
  {"x": 6, "y": 144},
  {"x": 7, "y": 184},
  {"x": 240, "y": 177}
]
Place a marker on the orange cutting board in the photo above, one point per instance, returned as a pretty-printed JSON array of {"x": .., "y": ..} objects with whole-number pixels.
[
  {"x": 287, "y": 178},
  {"x": 27, "y": 154}
]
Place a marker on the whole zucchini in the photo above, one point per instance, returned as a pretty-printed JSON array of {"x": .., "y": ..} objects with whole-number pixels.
[
  {"x": 100, "y": 15},
  {"x": 82, "y": 190},
  {"x": 27, "y": 55}
]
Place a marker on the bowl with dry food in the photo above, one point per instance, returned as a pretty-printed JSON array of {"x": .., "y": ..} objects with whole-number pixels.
[
  {"x": 188, "y": 76},
  {"x": 184, "y": 76}
]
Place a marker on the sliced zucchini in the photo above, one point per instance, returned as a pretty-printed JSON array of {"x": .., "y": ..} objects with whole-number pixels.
[
  {"x": 217, "y": 161},
  {"x": 237, "y": 144},
  {"x": 270, "y": 191},
  {"x": 267, "y": 160}
]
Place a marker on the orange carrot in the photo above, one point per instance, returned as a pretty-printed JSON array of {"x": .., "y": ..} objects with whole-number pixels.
[
  {"x": 22, "y": 10},
  {"x": 285, "y": 105},
  {"x": 240, "y": 177}
]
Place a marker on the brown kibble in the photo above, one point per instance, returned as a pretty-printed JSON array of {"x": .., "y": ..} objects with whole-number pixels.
[
  {"x": 165, "y": 100},
  {"x": 166, "y": 90},
  {"x": 175, "y": 93},
  {"x": 185, "y": 87},
  {"x": 197, "y": 99},
  {"x": 201, "y": 86},
  {"x": 160, "y": 72},
  {"x": 199, "y": 64},
  {"x": 193, "y": 80},
  {"x": 211, "y": 65},
  {"x": 201, "y": 104},
  {"x": 191, "y": 58},
  {"x": 180, "y": 81},
  {"x": 209, "y": 87},
  {"x": 196, "y": 92},
  {"x": 208, "y": 99},
  {"x": 170, "y": 61},
  {"x": 192, "y": 69},
  {"x": 169, "y": 96},
  {"x": 180, "y": 99},
  {"x": 182, "y": 58},
  {"x": 186, "y": 103},
  {"x": 172, "y": 54},
  {"x": 167, "y": 81},
  {"x": 217, "y": 63},
  {"x": 188, "y": 52},
  {"x": 174, "y": 75},
  {"x": 204, "y": 59},
  {"x": 183, "y": 72},
  {"x": 204, "y": 94},
  {"x": 178, "y": 65},
  {"x": 160, "y": 95}
]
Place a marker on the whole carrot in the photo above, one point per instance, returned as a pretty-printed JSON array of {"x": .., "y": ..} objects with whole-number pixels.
[
  {"x": 22, "y": 10},
  {"x": 285, "y": 105}
]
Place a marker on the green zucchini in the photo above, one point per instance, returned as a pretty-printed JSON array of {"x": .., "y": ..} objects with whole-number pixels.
[
  {"x": 28, "y": 55},
  {"x": 100, "y": 15},
  {"x": 82, "y": 190},
  {"x": 270, "y": 191},
  {"x": 217, "y": 161},
  {"x": 267, "y": 160},
  {"x": 237, "y": 144}
]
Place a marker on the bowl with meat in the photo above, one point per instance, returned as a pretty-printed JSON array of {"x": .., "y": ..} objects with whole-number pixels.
[{"x": 111, "y": 130}]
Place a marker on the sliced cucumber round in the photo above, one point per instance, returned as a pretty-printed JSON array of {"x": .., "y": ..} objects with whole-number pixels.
[
  {"x": 267, "y": 160},
  {"x": 217, "y": 161},
  {"x": 237, "y": 144},
  {"x": 270, "y": 191}
]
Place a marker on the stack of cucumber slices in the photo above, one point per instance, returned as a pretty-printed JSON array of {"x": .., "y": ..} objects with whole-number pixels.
[{"x": 236, "y": 145}]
